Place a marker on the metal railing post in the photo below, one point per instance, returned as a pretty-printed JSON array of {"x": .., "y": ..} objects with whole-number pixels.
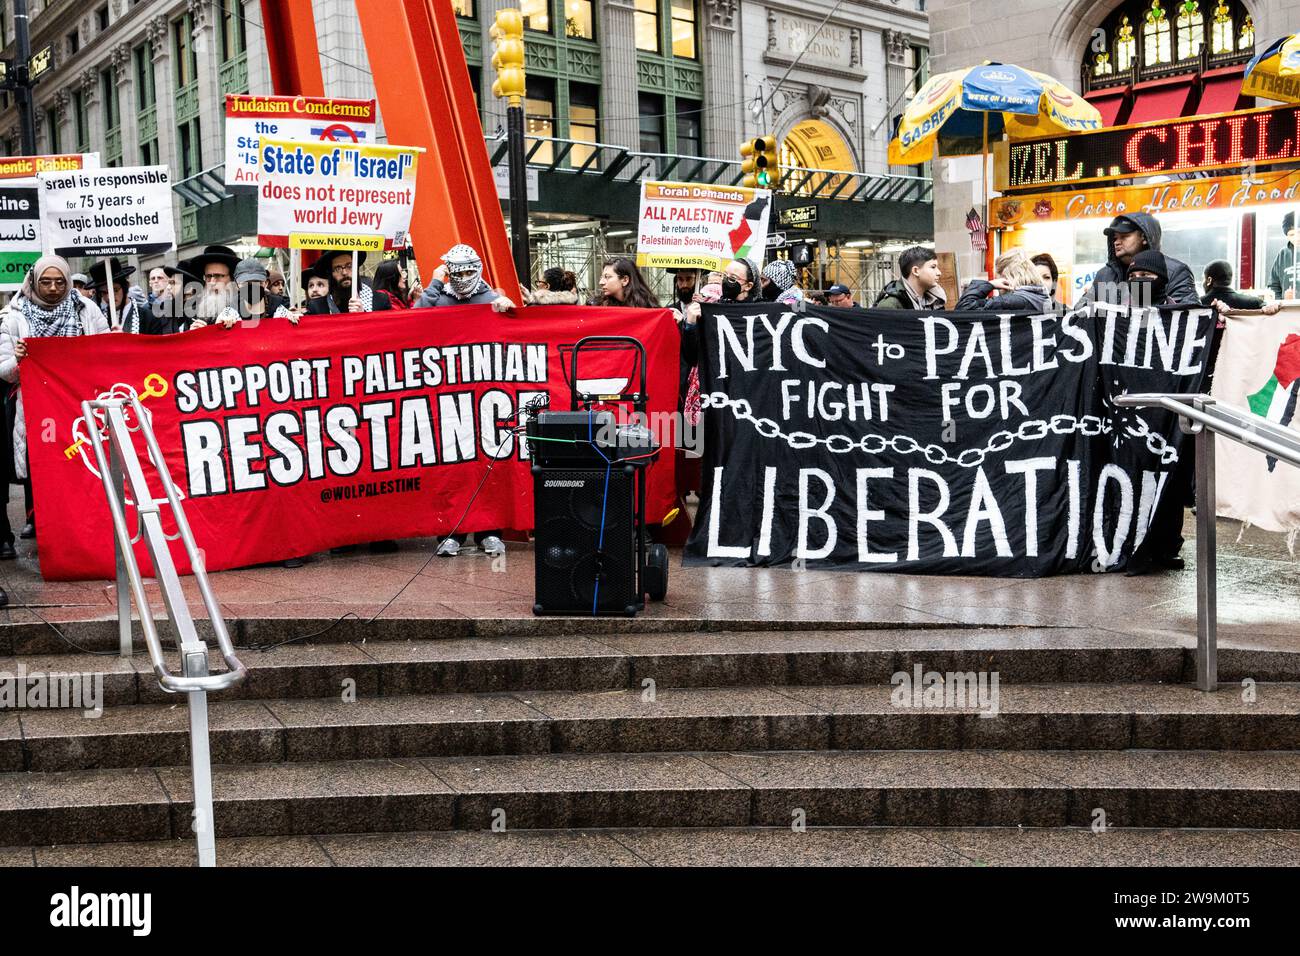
[
  {"x": 1207, "y": 610},
  {"x": 124, "y": 648},
  {"x": 194, "y": 658}
]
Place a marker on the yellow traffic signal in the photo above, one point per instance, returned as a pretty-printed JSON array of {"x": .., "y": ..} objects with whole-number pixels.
[
  {"x": 758, "y": 163},
  {"x": 507, "y": 34}
]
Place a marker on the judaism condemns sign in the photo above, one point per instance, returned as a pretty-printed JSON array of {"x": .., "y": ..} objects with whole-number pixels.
[
  {"x": 305, "y": 118},
  {"x": 327, "y": 433},
  {"x": 331, "y": 196},
  {"x": 962, "y": 443},
  {"x": 693, "y": 226},
  {"x": 118, "y": 211}
]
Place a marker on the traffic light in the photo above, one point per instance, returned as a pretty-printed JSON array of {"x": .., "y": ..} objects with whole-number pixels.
[
  {"x": 508, "y": 59},
  {"x": 759, "y": 163}
]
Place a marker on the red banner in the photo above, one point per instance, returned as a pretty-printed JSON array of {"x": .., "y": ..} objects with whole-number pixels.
[{"x": 289, "y": 440}]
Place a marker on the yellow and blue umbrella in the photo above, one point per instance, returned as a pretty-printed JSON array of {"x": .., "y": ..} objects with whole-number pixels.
[
  {"x": 960, "y": 110},
  {"x": 1274, "y": 72}
]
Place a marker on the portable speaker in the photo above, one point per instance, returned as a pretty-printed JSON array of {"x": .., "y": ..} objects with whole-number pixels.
[{"x": 576, "y": 572}]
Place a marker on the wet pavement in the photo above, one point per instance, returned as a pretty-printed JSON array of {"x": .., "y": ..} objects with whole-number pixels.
[{"x": 1258, "y": 582}]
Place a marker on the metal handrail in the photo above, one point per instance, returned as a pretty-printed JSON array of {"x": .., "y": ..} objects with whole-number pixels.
[
  {"x": 121, "y": 465},
  {"x": 1206, "y": 417}
]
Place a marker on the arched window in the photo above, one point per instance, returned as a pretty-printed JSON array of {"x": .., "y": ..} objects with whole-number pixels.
[{"x": 1143, "y": 39}]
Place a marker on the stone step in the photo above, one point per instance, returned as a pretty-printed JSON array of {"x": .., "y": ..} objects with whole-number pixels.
[
  {"x": 573, "y": 791},
  {"x": 701, "y": 659},
  {"x": 854, "y": 717},
  {"x": 727, "y": 846}
]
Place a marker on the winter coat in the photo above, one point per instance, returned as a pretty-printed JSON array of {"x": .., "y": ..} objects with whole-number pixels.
[
  {"x": 896, "y": 295},
  {"x": 14, "y": 328},
  {"x": 1285, "y": 273},
  {"x": 1025, "y": 298},
  {"x": 437, "y": 294},
  {"x": 1181, "y": 287},
  {"x": 551, "y": 297},
  {"x": 1234, "y": 299}
]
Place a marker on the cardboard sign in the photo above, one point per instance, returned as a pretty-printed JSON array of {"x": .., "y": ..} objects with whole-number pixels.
[
  {"x": 292, "y": 118},
  {"x": 693, "y": 226},
  {"x": 334, "y": 196},
  {"x": 20, "y": 231},
  {"x": 107, "y": 212}
]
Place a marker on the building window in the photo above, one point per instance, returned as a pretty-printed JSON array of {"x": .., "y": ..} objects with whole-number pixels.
[
  {"x": 1221, "y": 30},
  {"x": 4, "y": 26},
  {"x": 1246, "y": 41},
  {"x": 146, "y": 94},
  {"x": 149, "y": 153},
  {"x": 74, "y": 41},
  {"x": 1156, "y": 36},
  {"x": 184, "y": 55},
  {"x": 80, "y": 122},
  {"x": 646, "y": 25},
  {"x": 689, "y": 138},
  {"x": 463, "y": 8},
  {"x": 108, "y": 93},
  {"x": 234, "y": 36},
  {"x": 101, "y": 18},
  {"x": 584, "y": 102},
  {"x": 191, "y": 153},
  {"x": 539, "y": 115},
  {"x": 537, "y": 15},
  {"x": 579, "y": 20},
  {"x": 684, "y": 28},
  {"x": 1125, "y": 45},
  {"x": 52, "y": 131},
  {"x": 651, "y": 109},
  {"x": 1191, "y": 29}
]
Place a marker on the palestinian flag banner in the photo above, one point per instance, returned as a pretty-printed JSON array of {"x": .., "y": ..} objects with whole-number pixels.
[{"x": 1259, "y": 369}]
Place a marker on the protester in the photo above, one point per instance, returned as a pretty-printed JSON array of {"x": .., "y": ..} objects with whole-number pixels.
[
  {"x": 621, "y": 284},
  {"x": 81, "y": 284},
  {"x": 561, "y": 288},
  {"x": 685, "y": 283},
  {"x": 1220, "y": 293},
  {"x": 918, "y": 284},
  {"x": 132, "y": 317},
  {"x": 390, "y": 284},
  {"x": 777, "y": 283},
  {"x": 738, "y": 281},
  {"x": 1016, "y": 284},
  {"x": 840, "y": 296},
  {"x": 819, "y": 298},
  {"x": 243, "y": 300},
  {"x": 45, "y": 307},
  {"x": 159, "y": 284},
  {"x": 345, "y": 295},
  {"x": 463, "y": 285},
  {"x": 1048, "y": 273},
  {"x": 1129, "y": 234},
  {"x": 275, "y": 283},
  {"x": 314, "y": 286},
  {"x": 1284, "y": 277}
]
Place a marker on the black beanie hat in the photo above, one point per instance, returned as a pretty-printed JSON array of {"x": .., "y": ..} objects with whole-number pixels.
[
  {"x": 1288, "y": 223},
  {"x": 1148, "y": 260}
]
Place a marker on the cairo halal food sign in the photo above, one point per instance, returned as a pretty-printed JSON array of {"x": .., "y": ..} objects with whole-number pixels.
[{"x": 1216, "y": 142}]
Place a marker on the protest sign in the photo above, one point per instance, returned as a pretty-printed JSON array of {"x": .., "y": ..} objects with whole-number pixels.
[
  {"x": 961, "y": 443},
  {"x": 332, "y": 196},
  {"x": 20, "y": 215},
  {"x": 292, "y": 118},
  {"x": 288, "y": 440},
  {"x": 107, "y": 212},
  {"x": 1258, "y": 370},
  {"x": 690, "y": 226}
]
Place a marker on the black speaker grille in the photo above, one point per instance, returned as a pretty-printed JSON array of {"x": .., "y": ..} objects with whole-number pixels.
[{"x": 571, "y": 576}]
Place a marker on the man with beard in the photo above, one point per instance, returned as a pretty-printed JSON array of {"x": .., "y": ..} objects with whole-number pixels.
[
  {"x": 346, "y": 294},
  {"x": 685, "y": 284},
  {"x": 244, "y": 300}
]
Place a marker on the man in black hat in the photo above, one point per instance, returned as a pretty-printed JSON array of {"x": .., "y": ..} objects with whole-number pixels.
[
  {"x": 169, "y": 304},
  {"x": 346, "y": 294},
  {"x": 1284, "y": 277},
  {"x": 131, "y": 315},
  {"x": 214, "y": 267},
  {"x": 1129, "y": 234}
]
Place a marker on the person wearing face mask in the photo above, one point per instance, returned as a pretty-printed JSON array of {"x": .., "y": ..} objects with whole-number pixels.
[
  {"x": 777, "y": 282},
  {"x": 45, "y": 307},
  {"x": 738, "y": 280},
  {"x": 1148, "y": 280},
  {"x": 1130, "y": 234},
  {"x": 459, "y": 281}
]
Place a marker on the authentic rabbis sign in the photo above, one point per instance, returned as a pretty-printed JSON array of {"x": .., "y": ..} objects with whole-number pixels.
[{"x": 955, "y": 443}]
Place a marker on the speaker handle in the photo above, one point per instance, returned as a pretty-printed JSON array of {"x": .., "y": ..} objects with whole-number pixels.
[{"x": 605, "y": 343}]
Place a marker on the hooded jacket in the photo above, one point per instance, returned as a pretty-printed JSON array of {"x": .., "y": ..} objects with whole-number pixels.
[
  {"x": 1285, "y": 273},
  {"x": 896, "y": 295},
  {"x": 1025, "y": 298},
  {"x": 1181, "y": 289}
]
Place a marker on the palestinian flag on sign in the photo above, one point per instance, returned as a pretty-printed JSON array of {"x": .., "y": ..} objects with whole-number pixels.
[{"x": 1276, "y": 401}]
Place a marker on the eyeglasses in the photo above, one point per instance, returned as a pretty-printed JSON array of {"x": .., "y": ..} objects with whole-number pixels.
[
  {"x": 340, "y": 270},
  {"x": 56, "y": 282}
]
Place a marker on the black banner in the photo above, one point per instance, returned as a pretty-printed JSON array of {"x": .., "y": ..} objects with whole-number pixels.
[{"x": 950, "y": 443}]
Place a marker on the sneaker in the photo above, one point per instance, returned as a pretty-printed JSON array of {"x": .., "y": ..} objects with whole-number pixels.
[
  {"x": 449, "y": 548},
  {"x": 28, "y": 532},
  {"x": 492, "y": 545},
  {"x": 7, "y": 552},
  {"x": 292, "y": 563}
]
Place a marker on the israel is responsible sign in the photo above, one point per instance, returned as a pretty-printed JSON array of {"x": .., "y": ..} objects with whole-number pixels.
[
  {"x": 117, "y": 211},
  {"x": 956, "y": 443}
]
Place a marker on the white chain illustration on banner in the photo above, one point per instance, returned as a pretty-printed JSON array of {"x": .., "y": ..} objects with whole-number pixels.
[{"x": 1000, "y": 441}]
